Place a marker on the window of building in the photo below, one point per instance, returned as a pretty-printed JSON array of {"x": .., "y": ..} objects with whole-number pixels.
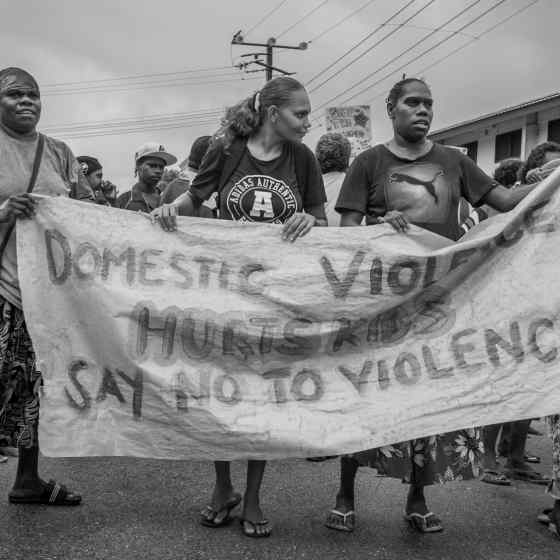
[
  {"x": 472, "y": 149},
  {"x": 508, "y": 145},
  {"x": 554, "y": 130}
]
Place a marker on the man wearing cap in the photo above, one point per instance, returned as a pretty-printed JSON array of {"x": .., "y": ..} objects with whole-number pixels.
[
  {"x": 188, "y": 172},
  {"x": 150, "y": 159}
]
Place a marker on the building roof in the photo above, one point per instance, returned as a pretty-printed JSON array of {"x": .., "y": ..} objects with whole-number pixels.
[{"x": 501, "y": 112}]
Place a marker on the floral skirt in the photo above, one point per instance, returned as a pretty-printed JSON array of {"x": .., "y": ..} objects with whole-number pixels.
[
  {"x": 554, "y": 424},
  {"x": 19, "y": 380},
  {"x": 436, "y": 459}
]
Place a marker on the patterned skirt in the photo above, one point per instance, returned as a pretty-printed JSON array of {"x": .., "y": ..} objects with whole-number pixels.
[
  {"x": 19, "y": 381},
  {"x": 436, "y": 459},
  {"x": 554, "y": 424}
]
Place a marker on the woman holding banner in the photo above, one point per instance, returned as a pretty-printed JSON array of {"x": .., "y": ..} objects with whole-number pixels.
[
  {"x": 38, "y": 163},
  {"x": 259, "y": 144},
  {"x": 412, "y": 180}
]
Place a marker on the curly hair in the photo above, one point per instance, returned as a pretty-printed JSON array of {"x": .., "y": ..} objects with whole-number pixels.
[
  {"x": 246, "y": 117},
  {"x": 333, "y": 152},
  {"x": 536, "y": 158},
  {"x": 398, "y": 89},
  {"x": 507, "y": 171}
]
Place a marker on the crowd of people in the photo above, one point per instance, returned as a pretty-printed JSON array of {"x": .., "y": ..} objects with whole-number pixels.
[{"x": 406, "y": 180}]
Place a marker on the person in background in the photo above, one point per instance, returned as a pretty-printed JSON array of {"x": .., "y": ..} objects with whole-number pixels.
[
  {"x": 260, "y": 142},
  {"x": 103, "y": 191},
  {"x": 542, "y": 160},
  {"x": 150, "y": 160},
  {"x": 333, "y": 154},
  {"x": 31, "y": 162},
  {"x": 551, "y": 516},
  {"x": 410, "y": 179},
  {"x": 181, "y": 183},
  {"x": 512, "y": 435},
  {"x": 507, "y": 172}
]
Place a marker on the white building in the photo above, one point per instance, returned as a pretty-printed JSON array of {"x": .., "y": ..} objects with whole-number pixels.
[{"x": 511, "y": 132}]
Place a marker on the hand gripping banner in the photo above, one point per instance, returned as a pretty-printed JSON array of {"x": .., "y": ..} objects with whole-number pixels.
[{"x": 222, "y": 341}]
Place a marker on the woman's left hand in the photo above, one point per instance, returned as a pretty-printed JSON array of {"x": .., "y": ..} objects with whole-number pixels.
[{"x": 297, "y": 226}]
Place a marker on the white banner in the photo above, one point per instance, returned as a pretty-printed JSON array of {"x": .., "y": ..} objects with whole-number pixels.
[{"x": 222, "y": 341}]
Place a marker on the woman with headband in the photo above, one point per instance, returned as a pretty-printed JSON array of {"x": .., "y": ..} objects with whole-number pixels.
[
  {"x": 260, "y": 141},
  {"x": 31, "y": 162}
]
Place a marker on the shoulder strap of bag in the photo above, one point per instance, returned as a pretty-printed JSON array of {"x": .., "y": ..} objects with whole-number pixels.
[{"x": 30, "y": 187}]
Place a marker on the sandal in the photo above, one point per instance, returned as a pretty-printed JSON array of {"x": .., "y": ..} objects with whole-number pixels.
[
  {"x": 491, "y": 476},
  {"x": 428, "y": 523},
  {"x": 544, "y": 516},
  {"x": 339, "y": 521},
  {"x": 251, "y": 528},
  {"x": 53, "y": 494},
  {"x": 527, "y": 475},
  {"x": 209, "y": 514}
]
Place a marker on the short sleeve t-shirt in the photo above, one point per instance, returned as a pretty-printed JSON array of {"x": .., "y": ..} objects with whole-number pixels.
[
  {"x": 427, "y": 190},
  {"x": 264, "y": 191},
  {"x": 58, "y": 174}
]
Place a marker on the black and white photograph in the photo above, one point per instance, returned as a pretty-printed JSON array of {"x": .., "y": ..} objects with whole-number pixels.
[{"x": 278, "y": 280}]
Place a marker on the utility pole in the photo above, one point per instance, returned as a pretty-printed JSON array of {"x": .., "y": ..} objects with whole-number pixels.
[{"x": 270, "y": 45}]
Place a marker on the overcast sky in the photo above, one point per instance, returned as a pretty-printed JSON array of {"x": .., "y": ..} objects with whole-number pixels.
[{"x": 69, "y": 42}]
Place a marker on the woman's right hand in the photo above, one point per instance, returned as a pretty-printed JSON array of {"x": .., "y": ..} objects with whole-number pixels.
[
  {"x": 18, "y": 206},
  {"x": 166, "y": 216},
  {"x": 397, "y": 219}
]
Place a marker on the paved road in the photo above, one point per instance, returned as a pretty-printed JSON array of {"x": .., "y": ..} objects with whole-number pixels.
[{"x": 147, "y": 509}]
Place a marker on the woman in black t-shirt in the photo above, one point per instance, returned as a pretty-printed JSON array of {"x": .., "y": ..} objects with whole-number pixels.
[
  {"x": 262, "y": 173},
  {"x": 407, "y": 180}
]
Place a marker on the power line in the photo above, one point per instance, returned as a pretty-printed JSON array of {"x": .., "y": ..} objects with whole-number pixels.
[
  {"x": 384, "y": 38},
  {"x": 352, "y": 49},
  {"x": 136, "y": 77},
  {"x": 423, "y": 53},
  {"x": 146, "y": 86},
  {"x": 468, "y": 43},
  {"x": 304, "y": 17},
  {"x": 131, "y": 130},
  {"x": 148, "y": 119},
  {"x": 266, "y": 16},
  {"x": 340, "y": 22},
  {"x": 185, "y": 79}
]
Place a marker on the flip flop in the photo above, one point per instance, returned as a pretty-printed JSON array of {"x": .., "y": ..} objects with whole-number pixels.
[
  {"x": 254, "y": 525},
  {"x": 530, "y": 476},
  {"x": 53, "y": 494},
  {"x": 422, "y": 524},
  {"x": 208, "y": 514},
  {"x": 345, "y": 522},
  {"x": 491, "y": 476},
  {"x": 544, "y": 516}
]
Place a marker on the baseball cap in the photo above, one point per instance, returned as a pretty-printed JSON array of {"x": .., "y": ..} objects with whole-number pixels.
[{"x": 153, "y": 149}]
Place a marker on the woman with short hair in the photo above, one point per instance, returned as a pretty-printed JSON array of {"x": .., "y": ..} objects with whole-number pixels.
[
  {"x": 333, "y": 154},
  {"x": 410, "y": 179}
]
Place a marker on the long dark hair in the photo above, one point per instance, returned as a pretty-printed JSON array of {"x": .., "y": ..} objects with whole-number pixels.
[{"x": 246, "y": 117}]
